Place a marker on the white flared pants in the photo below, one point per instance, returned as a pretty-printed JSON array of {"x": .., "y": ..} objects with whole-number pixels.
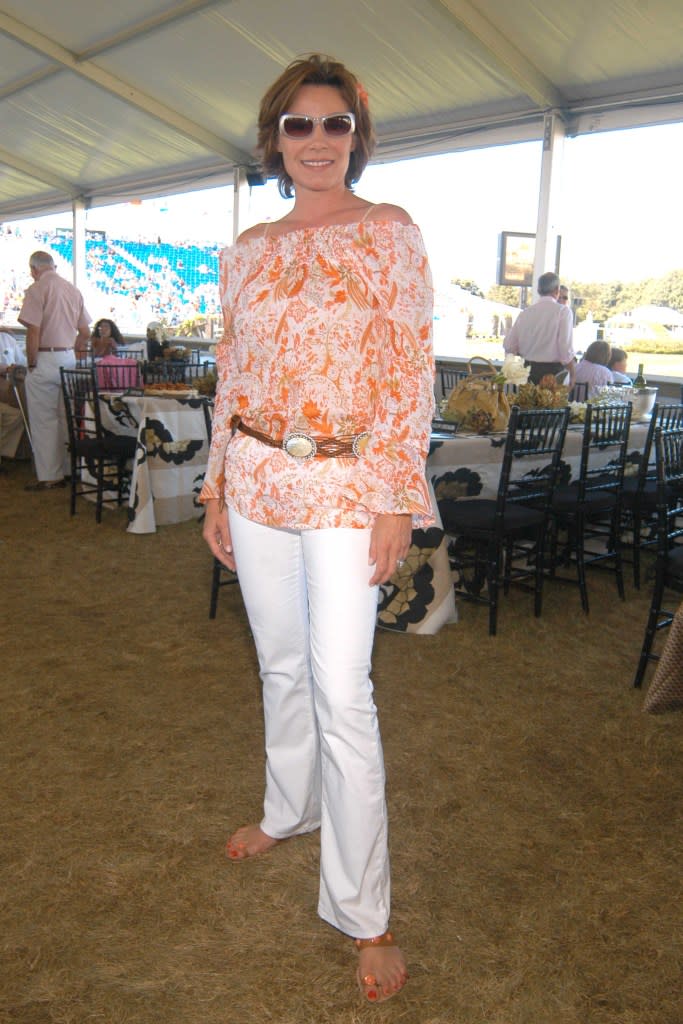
[{"x": 312, "y": 613}]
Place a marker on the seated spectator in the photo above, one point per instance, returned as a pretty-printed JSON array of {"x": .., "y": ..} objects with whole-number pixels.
[
  {"x": 617, "y": 364},
  {"x": 11, "y": 419},
  {"x": 105, "y": 338},
  {"x": 593, "y": 369},
  {"x": 156, "y": 340},
  {"x": 11, "y": 351}
]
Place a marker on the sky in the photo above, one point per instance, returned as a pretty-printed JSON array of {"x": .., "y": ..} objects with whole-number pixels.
[{"x": 621, "y": 214}]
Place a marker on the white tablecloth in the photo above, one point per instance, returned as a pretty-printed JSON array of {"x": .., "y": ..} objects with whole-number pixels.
[
  {"x": 171, "y": 457},
  {"x": 468, "y": 465}
]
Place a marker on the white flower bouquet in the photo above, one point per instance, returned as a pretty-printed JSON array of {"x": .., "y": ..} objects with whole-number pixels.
[{"x": 513, "y": 371}]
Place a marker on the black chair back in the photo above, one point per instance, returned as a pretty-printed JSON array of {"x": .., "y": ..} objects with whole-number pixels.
[
  {"x": 448, "y": 377},
  {"x": 503, "y": 540},
  {"x": 164, "y": 371},
  {"x": 669, "y": 470},
  {"x": 590, "y": 509},
  {"x": 194, "y": 370},
  {"x": 532, "y": 433},
  {"x": 667, "y": 417},
  {"x": 639, "y": 495},
  {"x": 79, "y": 388},
  {"x": 668, "y": 446},
  {"x": 96, "y": 455},
  {"x": 579, "y": 393},
  {"x": 138, "y": 352},
  {"x": 606, "y": 428}
]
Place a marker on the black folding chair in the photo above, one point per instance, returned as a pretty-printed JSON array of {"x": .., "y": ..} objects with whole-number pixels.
[
  {"x": 589, "y": 510},
  {"x": 447, "y": 377},
  {"x": 164, "y": 371},
  {"x": 639, "y": 497},
  {"x": 579, "y": 393},
  {"x": 669, "y": 565},
  {"x": 503, "y": 539},
  {"x": 103, "y": 455}
]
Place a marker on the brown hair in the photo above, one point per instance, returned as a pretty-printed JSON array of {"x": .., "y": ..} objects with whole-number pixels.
[
  {"x": 314, "y": 69},
  {"x": 618, "y": 356},
  {"x": 115, "y": 332},
  {"x": 598, "y": 352}
]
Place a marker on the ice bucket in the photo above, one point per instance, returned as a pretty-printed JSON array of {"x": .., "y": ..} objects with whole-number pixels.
[{"x": 642, "y": 400}]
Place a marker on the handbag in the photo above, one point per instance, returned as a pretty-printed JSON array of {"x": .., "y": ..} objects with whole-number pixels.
[{"x": 478, "y": 402}]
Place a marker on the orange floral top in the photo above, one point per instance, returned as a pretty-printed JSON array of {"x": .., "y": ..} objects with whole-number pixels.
[{"x": 327, "y": 331}]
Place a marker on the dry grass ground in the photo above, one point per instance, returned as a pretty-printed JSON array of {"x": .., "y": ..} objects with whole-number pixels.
[{"x": 535, "y": 811}]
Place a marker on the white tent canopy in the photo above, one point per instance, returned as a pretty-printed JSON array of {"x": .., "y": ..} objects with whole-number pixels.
[{"x": 104, "y": 102}]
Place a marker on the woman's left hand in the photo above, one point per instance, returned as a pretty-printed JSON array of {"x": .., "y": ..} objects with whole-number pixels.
[{"x": 389, "y": 544}]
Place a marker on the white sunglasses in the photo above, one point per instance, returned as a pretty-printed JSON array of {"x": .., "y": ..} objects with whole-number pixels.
[{"x": 300, "y": 126}]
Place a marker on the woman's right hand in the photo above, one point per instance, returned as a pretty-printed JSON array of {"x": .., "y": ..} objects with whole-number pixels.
[{"x": 216, "y": 533}]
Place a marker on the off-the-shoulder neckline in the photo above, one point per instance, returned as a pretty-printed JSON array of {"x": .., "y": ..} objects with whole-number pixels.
[{"x": 351, "y": 225}]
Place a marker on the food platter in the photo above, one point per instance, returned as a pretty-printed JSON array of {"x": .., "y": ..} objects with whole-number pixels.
[{"x": 169, "y": 392}]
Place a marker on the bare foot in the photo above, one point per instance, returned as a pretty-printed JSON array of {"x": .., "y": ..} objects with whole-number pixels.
[
  {"x": 248, "y": 841},
  {"x": 381, "y": 971}
]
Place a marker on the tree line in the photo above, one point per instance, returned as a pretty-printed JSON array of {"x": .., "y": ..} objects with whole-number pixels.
[{"x": 600, "y": 299}]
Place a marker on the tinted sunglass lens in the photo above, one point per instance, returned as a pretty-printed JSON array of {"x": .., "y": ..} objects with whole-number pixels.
[
  {"x": 297, "y": 127},
  {"x": 337, "y": 124}
]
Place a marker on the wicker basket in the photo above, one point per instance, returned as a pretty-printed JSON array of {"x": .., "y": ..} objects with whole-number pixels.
[{"x": 666, "y": 689}]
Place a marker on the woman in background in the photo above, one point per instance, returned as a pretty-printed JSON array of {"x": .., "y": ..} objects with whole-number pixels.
[
  {"x": 316, "y": 478},
  {"x": 593, "y": 369},
  {"x": 105, "y": 338}
]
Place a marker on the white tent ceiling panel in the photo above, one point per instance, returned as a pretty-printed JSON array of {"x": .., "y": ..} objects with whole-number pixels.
[
  {"x": 96, "y": 136},
  {"x": 114, "y": 101}
]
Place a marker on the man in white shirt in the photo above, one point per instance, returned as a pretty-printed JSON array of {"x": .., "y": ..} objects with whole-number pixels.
[
  {"x": 56, "y": 323},
  {"x": 542, "y": 333},
  {"x": 11, "y": 420}
]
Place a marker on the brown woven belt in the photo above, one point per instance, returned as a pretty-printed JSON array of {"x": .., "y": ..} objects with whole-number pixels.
[
  {"x": 41, "y": 349},
  {"x": 304, "y": 446}
]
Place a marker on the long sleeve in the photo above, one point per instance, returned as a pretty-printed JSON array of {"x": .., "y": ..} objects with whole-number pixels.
[
  {"x": 390, "y": 476},
  {"x": 214, "y": 479}
]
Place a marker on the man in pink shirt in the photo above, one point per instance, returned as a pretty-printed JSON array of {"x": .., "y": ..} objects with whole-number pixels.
[
  {"x": 542, "y": 333},
  {"x": 55, "y": 319}
]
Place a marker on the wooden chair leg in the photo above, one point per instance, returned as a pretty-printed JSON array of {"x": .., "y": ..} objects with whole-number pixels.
[
  {"x": 100, "y": 491},
  {"x": 493, "y": 581},
  {"x": 636, "y": 550},
  {"x": 650, "y": 631},
  {"x": 579, "y": 541},
  {"x": 539, "y": 574},
  {"x": 74, "y": 477}
]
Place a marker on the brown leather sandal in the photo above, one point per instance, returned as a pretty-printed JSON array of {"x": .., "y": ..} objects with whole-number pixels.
[{"x": 373, "y": 992}]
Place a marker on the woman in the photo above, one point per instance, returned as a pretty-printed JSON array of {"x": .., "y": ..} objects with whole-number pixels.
[
  {"x": 321, "y": 430},
  {"x": 105, "y": 338},
  {"x": 593, "y": 369}
]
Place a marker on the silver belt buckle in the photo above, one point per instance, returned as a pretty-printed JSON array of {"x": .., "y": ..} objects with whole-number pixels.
[
  {"x": 300, "y": 446},
  {"x": 360, "y": 443}
]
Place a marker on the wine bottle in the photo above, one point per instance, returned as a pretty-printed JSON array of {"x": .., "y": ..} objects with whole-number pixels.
[{"x": 639, "y": 380}]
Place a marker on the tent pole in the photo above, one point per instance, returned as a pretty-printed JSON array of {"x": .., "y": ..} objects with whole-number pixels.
[{"x": 550, "y": 194}]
